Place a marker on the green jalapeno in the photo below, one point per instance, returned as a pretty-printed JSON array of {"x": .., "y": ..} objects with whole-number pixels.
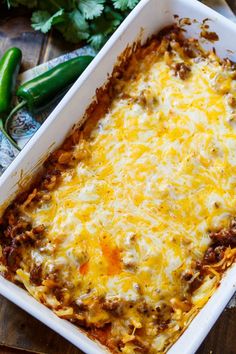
[
  {"x": 41, "y": 91},
  {"x": 9, "y": 68}
]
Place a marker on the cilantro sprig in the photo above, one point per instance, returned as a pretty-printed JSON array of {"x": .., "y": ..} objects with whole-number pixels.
[{"x": 90, "y": 20}]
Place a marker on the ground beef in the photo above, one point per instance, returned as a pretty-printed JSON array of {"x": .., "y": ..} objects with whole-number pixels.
[{"x": 182, "y": 70}]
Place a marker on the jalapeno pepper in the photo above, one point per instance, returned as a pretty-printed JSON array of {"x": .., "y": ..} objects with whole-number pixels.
[
  {"x": 41, "y": 91},
  {"x": 9, "y": 68}
]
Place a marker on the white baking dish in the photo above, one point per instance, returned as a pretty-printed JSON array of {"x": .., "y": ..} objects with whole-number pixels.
[{"x": 146, "y": 19}]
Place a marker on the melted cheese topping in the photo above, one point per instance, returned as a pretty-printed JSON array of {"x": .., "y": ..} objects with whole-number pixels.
[{"x": 134, "y": 215}]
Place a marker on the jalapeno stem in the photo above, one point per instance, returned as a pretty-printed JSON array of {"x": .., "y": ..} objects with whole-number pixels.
[
  {"x": 12, "y": 141},
  {"x": 4, "y": 127},
  {"x": 12, "y": 113}
]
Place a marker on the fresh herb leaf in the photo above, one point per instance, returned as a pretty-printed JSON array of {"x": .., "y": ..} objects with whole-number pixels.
[
  {"x": 91, "y": 8},
  {"x": 125, "y": 4},
  {"x": 91, "y": 20},
  {"x": 43, "y": 21},
  {"x": 102, "y": 27},
  {"x": 75, "y": 28},
  {"x": 55, "y": 5},
  {"x": 97, "y": 40}
]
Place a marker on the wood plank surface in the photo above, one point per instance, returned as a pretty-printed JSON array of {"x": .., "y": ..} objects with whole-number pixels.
[
  {"x": 7, "y": 350},
  {"x": 232, "y": 4},
  {"x": 15, "y": 30},
  {"x": 18, "y": 330}
]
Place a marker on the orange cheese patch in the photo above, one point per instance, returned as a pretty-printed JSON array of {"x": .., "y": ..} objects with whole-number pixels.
[{"x": 112, "y": 256}]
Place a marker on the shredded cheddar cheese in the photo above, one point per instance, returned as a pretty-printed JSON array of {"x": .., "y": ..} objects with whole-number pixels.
[{"x": 133, "y": 216}]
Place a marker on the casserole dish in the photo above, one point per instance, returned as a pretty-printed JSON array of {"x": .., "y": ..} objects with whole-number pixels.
[{"x": 68, "y": 108}]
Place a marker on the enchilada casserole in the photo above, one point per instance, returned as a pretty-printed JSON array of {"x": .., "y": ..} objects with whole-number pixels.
[{"x": 132, "y": 223}]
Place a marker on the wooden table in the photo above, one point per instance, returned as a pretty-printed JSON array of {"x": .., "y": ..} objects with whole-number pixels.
[{"x": 18, "y": 329}]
